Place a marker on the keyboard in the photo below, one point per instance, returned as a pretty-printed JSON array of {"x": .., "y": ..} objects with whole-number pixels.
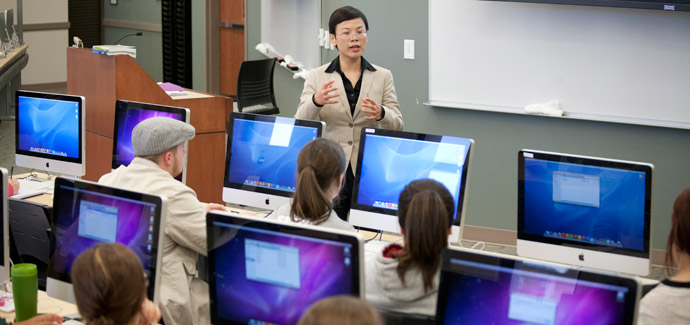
[
  {"x": 29, "y": 187},
  {"x": 375, "y": 245}
]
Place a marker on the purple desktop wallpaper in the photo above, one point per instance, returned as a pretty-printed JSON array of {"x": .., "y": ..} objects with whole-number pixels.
[
  {"x": 133, "y": 222},
  {"x": 477, "y": 300},
  {"x": 322, "y": 273},
  {"x": 128, "y": 119}
]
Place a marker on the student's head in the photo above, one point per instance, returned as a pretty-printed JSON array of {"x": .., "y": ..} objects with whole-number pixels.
[
  {"x": 343, "y": 310},
  {"x": 109, "y": 284},
  {"x": 348, "y": 29},
  {"x": 161, "y": 140},
  {"x": 679, "y": 238},
  {"x": 320, "y": 169},
  {"x": 425, "y": 214}
]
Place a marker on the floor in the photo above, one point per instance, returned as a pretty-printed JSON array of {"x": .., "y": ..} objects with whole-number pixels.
[{"x": 7, "y": 145}]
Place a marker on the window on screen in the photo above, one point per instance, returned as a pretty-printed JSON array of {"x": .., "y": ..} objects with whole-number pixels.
[
  {"x": 272, "y": 263},
  {"x": 97, "y": 221},
  {"x": 579, "y": 189}
]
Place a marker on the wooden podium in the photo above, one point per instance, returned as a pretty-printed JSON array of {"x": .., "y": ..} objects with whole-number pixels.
[{"x": 102, "y": 79}]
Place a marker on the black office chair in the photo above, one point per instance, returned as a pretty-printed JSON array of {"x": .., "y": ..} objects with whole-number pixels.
[
  {"x": 30, "y": 235},
  {"x": 255, "y": 87},
  {"x": 393, "y": 317}
]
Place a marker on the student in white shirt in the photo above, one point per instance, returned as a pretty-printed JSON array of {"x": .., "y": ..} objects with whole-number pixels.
[
  {"x": 320, "y": 170},
  {"x": 668, "y": 303},
  {"x": 405, "y": 279}
]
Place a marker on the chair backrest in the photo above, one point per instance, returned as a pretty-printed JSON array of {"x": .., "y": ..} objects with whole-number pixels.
[
  {"x": 255, "y": 87},
  {"x": 30, "y": 228},
  {"x": 398, "y": 318}
]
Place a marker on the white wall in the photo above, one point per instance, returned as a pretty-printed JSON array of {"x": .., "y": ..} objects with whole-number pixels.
[{"x": 47, "y": 49}]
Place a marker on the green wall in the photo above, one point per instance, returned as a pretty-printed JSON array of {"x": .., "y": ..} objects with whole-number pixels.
[
  {"x": 149, "y": 45},
  {"x": 492, "y": 187}
]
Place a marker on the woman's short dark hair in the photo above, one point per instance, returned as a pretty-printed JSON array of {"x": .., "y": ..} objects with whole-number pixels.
[
  {"x": 344, "y": 14},
  {"x": 679, "y": 238}
]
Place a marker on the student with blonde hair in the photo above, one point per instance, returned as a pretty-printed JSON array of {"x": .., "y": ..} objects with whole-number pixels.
[
  {"x": 110, "y": 287},
  {"x": 405, "y": 278},
  {"x": 668, "y": 302},
  {"x": 320, "y": 169},
  {"x": 343, "y": 310}
]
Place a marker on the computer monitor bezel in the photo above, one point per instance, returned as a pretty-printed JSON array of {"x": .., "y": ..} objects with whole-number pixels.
[
  {"x": 4, "y": 214},
  {"x": 302, "y": 230},
  {"x": 255, "y": 196},
  {"x": 386, "y": 219},
  {"x": 580, "y": 253},
  {"x": 52, "y": 163},
  {"x": 58, "y": 284},
  {"x": 493, "y": 260},
  {"x": 122, "y": 106}
]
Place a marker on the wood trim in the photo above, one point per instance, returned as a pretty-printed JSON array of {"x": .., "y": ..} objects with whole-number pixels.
[
  {"x": 45, "y": 86},
  {"x": 509, "y": 238},
  {"x": 133, "y": 25},
  {"x": 46, "y": 26}
]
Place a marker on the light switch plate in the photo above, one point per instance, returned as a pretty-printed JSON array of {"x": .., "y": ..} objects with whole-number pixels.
[
  {"x": 408, "y": 51},
  {"x": 113, "y": 2}
]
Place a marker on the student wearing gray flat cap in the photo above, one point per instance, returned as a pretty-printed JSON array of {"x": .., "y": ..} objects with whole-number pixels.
[{"x": 159, "y": 152}]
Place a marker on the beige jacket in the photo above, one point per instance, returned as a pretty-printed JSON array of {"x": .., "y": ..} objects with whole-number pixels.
[
  {"x": 341, "y": 126},
  {"x": 184, "y": 298}
]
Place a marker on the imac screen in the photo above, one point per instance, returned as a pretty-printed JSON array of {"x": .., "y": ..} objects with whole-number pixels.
[
  {"x": 380, "y": 179},
  {"x": 262, "y": 152},
  {"x": 127, "y": 116},
  {"x": 86, "y": 214},
  {"x": 482, "y": 289},
  {"x": 264, "y": 272},
  {"x": 49, "y": 127},
  {"x": 603, "y": 204}
]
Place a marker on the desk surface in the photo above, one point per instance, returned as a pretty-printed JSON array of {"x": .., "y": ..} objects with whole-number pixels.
[
  {"x": 48, "y": 305},
  {"x": 13, "y": 56}
]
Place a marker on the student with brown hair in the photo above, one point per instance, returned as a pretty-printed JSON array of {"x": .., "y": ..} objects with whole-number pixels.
[
  {"x": 405, "y": 279},
  {"x": 343, "y": 310},
  {"x": 320, "y": 169},
  {"x": 668, "y": 302},
  {"x": 110, "y": 287}
]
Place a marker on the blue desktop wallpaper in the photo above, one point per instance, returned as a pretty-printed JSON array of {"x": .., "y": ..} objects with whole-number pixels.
[
  {"x": 323, "y": 272},
  {"x": 127, "y": 121},
  {"x": 619, "y": 218},
  {"x": 133, "y": 228},
  {"x": 389, "y": 164},
  {"x": 255, "y": 162},
  {"x": 486, "y": 299},
  {"x": 48, "y": 126}
]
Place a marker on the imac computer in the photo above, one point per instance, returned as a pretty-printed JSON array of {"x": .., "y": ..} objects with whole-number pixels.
[
  {"x": 584, "y": 211},
  {"x": 4, "y": 229},
  {"x": 50, "y": 132},
  {"x": 261, "y": 159},
  {"x": 485, "y": 288},
  {"x": 85, "y": 214},
  {"x": 127, "y": 115},
  {"x": 389, "y": 160},
  {"x": 268, "y": 272}
]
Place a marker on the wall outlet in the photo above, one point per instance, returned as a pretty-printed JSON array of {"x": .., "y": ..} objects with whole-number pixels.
[{"x": 408, "y": 49}]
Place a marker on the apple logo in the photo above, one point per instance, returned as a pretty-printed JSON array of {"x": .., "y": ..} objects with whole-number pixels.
[
  {"x": 47, "y": 165},
  {"x": 581, "y": 257},
  {"x": 268, "y": 201}
]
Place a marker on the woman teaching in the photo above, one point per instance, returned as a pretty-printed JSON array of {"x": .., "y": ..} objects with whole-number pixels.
[{"x": 349, "y": 93}]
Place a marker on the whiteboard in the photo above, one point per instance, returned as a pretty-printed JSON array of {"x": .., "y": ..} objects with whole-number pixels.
[
  {"x": 291, "y": 27},
  {"x": 612, "y": 64}
]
